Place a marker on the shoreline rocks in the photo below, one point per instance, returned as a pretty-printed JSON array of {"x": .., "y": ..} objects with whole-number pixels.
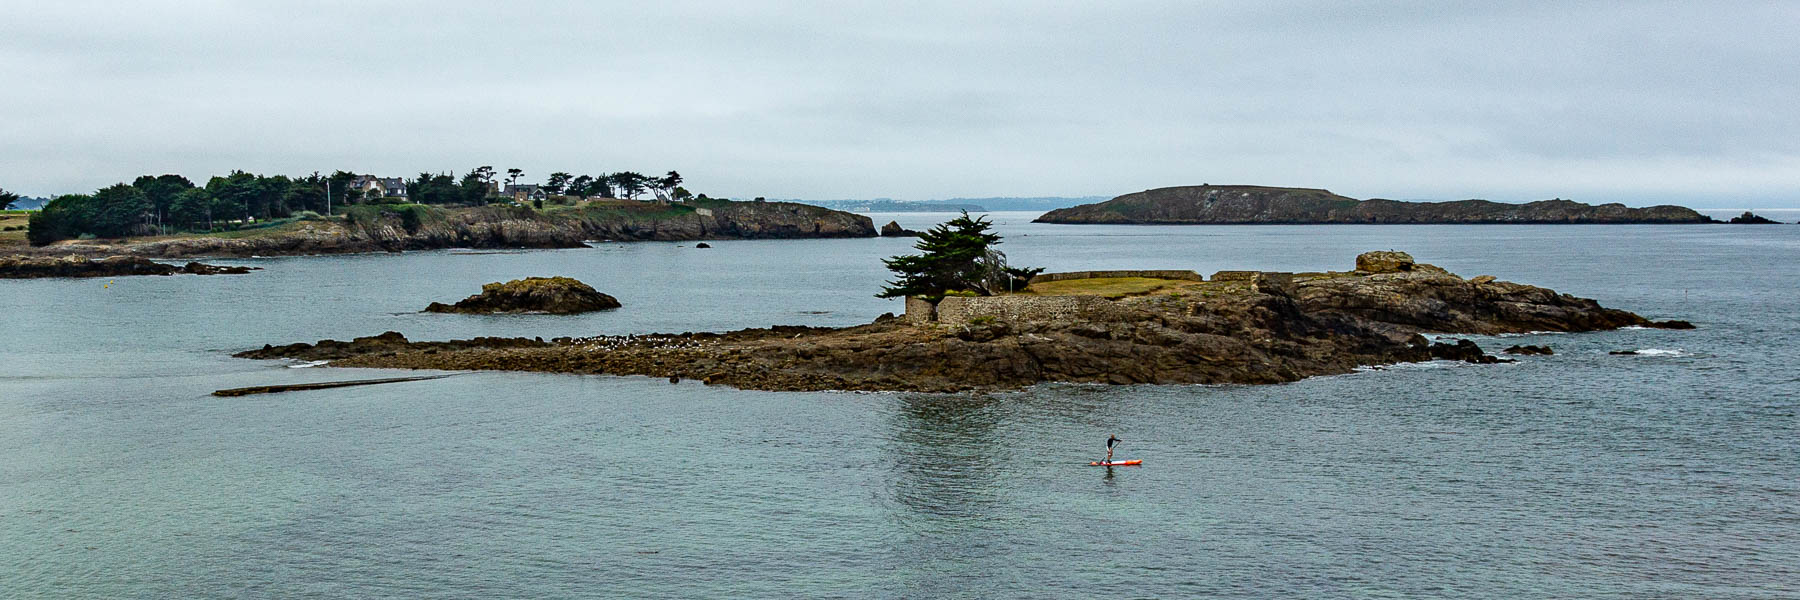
[
  {"x": 1210, "y": 332},
  {"x": 1750, "y": 218},
  {"x": 33, "y": 267},
  {"x": 553, "y": 295}
]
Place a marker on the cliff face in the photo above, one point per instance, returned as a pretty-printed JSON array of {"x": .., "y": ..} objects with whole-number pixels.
[
  {"x": 1243, "y": 204},
  {"x": 377, "y": 229}
]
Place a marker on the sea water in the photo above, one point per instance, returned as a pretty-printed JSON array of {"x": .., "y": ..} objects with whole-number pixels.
[{"x": 1674, "y": 472}]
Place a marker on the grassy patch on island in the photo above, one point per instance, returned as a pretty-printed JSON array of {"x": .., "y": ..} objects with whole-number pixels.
[
  {"x": 1108, "y": 287},
  {"x": 13, "y": 224}
]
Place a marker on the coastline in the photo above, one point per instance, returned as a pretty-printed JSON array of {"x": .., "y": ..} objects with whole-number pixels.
[{"x": 379, "y": 228}]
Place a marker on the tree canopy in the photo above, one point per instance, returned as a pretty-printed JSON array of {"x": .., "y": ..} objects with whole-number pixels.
[
  {"x": 161, "y": 204},
  {"x": 7, "y": 199},
  {"x": 955, "y": 256}
]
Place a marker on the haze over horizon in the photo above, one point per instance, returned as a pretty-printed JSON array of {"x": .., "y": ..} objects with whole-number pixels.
[{"x": 1647, "y": 103}]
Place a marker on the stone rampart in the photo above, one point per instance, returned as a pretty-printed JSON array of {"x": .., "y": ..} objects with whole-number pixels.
[
  {"x": 959, "y": 310},
  {"x": 919, "y": 311},
  {"x": 1151, "y": 274}
]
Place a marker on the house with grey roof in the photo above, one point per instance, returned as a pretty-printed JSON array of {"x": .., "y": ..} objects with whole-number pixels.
[{"x": 379, "y": 187}]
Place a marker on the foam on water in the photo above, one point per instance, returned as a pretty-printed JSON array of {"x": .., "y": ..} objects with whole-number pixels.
[{"x": 1661, "y": 352}]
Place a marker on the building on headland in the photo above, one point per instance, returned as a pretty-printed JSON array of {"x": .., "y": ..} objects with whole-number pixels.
[
  {"x": 379, "y": 187},
  {"x": 524, "y": 192}
]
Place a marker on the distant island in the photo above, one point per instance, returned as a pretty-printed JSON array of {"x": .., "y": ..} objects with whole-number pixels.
[
  {"x": 974, "y": 205},
  {"x": 1249, "y": 204}
]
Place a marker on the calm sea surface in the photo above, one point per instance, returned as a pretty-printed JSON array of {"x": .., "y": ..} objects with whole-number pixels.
[{"x": 1674, "y": 473}]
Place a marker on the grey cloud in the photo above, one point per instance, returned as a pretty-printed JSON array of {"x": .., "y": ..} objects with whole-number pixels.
[{"x": 1512, "y": 101}]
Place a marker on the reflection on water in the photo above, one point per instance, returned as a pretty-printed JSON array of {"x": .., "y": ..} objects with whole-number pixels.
[{"x": 945, "y": 451}]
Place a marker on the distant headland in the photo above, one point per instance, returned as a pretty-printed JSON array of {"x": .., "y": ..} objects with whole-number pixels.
[
  {"x": 246, "y": 214},
  {"x": 1249, "y": 204}
]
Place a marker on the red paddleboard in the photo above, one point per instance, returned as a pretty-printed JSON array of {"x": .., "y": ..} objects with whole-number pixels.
[{"x": 1121, "y": 463}]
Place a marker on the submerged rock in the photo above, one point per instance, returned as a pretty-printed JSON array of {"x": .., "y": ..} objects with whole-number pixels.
[
  {"x": 1463, "y": 350},
  {"x": 1530, "y": 350},
  {"x": 554, "y": 295}
]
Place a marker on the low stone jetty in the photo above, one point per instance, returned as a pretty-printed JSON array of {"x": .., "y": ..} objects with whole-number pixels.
[{"x": 297, "y": 387}]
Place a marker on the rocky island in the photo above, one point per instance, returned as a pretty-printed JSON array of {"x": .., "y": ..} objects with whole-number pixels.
[
  {"x": 552, "y": 295},
  {"x": 1750, "y": 218},
  {"x": 395, "y": 228},
  {"x": 1249, "y": 204},
  {"x": 1155, "y": 327}
]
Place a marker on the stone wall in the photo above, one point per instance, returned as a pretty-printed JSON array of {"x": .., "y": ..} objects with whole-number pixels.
[
  {"x": 1151, "y": 274},
  {"x": 959, "y": 310},
  {"x": 919, "y": 311}
]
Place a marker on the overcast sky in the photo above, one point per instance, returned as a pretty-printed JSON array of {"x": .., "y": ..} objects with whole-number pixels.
[{"x": 1636, "y": 102}]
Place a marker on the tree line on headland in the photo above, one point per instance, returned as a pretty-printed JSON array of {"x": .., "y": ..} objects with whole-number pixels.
[{"x": 168, "y": 204}]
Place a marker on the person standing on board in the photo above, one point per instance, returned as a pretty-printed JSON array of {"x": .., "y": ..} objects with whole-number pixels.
[{"x": 1110, "y": 441}]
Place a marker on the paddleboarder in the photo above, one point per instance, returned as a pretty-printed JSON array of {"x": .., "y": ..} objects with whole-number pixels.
[{"x": 1111, "y": 440}]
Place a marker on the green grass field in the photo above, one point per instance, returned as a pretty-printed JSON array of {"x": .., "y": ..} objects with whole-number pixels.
[
  {"x": 12, "y": 219},
  {"x": 1108, "y": 287}
]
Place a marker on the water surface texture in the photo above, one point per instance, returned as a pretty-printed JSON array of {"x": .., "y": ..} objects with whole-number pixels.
[{"x": 1672, "y": 473}]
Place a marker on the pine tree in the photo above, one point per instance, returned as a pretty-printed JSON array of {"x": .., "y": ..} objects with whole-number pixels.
[{"x": 954, "y": 256}]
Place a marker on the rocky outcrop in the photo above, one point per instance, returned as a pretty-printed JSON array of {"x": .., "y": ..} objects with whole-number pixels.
[
  {"x": 1465, "y": 351},
  {"x": 1384, "y": 261},
  {"x": 1248, "y": 204},
  {"x": 403, "y": 228},
  {"x": 893, "y": 229},
  {"x": 1750, "y": 218},
  {"x": 390, "y": 342},
  {"x": 553, "y": 295},
  {"x": 29, "y": 267},
  {"x": 1529, "y": 350},
  {"x": 1427, "y": 298},
  {"x": 1228, "y": 331}
]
